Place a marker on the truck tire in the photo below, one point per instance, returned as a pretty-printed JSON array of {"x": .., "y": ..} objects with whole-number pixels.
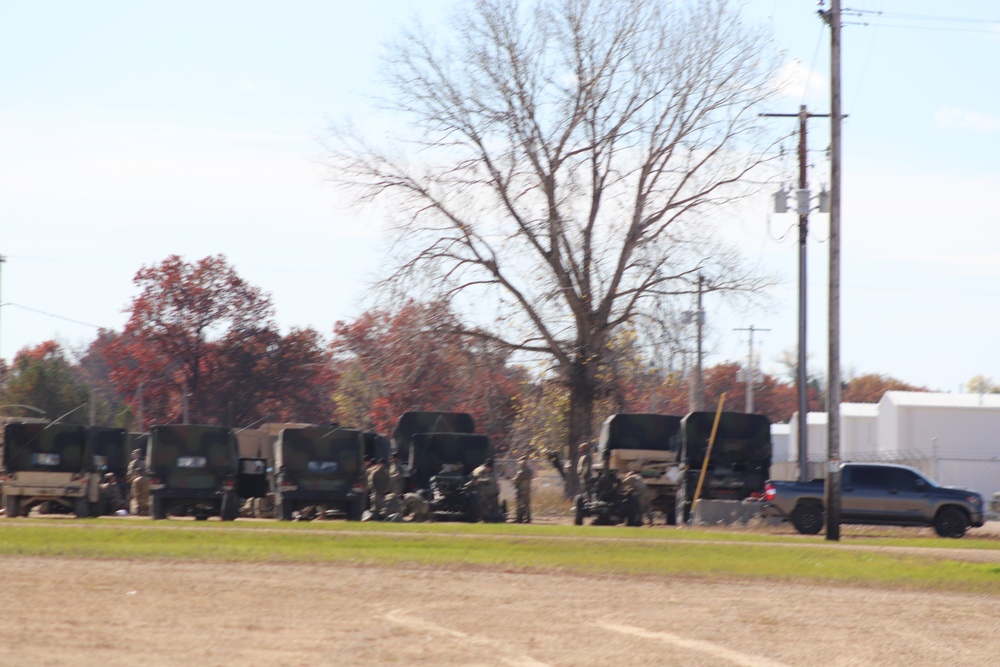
[
  {"x": 808, "y": 518},
  {"x": 282, "y": 509},
  {"x": 230, "y": 506},
  {"x": 158, "y": 507},
  {"x": 580, "y": 512},
  {"x": 81, "y": 508},
  {"x": 355, "y": 509},
  {"x": 682, "y": 511},
  {"x": 670, "y": 513},
  {"x": 472, "y": 507},
  {"x": 950, "y": 522},
  {"x": 11, "y": 506},
  {"x": 632, "y": 515}
]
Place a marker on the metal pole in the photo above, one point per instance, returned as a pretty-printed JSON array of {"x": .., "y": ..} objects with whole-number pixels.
[
  {"x": 139, "y": 408},
  {"x": 699, "y": 387},
  {"x": 801, "y": 376},
  {"x": 2, "y": 378},
  {"x": 751, "y": 369},
  {"x": 750, "y": 374},
  {"x": 833, "y": 391}
]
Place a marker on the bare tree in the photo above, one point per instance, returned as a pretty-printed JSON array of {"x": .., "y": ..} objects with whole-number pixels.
[{"x": 562, "y": 160}]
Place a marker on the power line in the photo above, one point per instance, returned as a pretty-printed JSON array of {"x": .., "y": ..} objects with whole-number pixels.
[
  {"x": 921, "y": 17},
  {"x": 923, "y": 22},
  {"x": 58, "y": 317}
]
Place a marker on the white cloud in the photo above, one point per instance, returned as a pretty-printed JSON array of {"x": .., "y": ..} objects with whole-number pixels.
[
  {"x": 173, "y": 173},
  {"x": 953, "y": 118},
  {"x": 797, "y": 81}
]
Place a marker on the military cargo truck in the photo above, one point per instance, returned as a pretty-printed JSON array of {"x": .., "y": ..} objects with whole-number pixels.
[
  {"x": 377, "y": 446},
  {"x": 441, "y": 466},
  {"x": 48, "y": 463},
  {"x": 740, "y": 460},
  {"x": 110, "y": 448},
  {"x": 412, "y": 423},
  {"x": 320, "y": 466},
  {"x": 192, "y": 471},
  {"x": 649, "y": 445}
]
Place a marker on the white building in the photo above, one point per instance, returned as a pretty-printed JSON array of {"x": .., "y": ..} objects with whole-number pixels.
[
  {"x": 781, "y": 445},
  {"x": 858, "y": 433},
  {"x": 953, "y": 438},
  {"x": 957, "y": 435}
]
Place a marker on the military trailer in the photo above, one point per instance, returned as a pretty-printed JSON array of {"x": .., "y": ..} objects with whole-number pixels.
[
  {"x": 192, "y": 471},
  {"x": 739, "y": 464},
  {"x": 607, "y": 501},
  {"x": 412, "y": 423},
  {"x": 48, "y": 463},
  {"x": 649, "y": 445},
  {"x": 441, "y": 466},
  {"x": 320, "y": 466}
]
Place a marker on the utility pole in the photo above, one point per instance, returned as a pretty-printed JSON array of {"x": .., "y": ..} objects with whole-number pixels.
[
  {"x": 139, "y": 408},
  {"x": 697, "y": 388},
  {"x": 2, "y": 378},
  {"x": 750, "y": 374},
  {"x": 699, "y": 378},
  {"x": 832, "y": 18},
  {"x": 803, "y": 207}
]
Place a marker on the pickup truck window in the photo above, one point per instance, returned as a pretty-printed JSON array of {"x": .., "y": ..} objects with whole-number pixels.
[
  {"x": 906, "y": 480},
  {"x": 868, "y": 477}
]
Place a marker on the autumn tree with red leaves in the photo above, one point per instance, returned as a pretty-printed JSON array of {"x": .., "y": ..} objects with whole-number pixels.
[
  {"x": 43, "y": 377},
  {"x": 868, "y": 388},
  {"x": 201, "y": 344},
  {"x": 393, "y": 362},
  {"x": 777, "y": 400}
]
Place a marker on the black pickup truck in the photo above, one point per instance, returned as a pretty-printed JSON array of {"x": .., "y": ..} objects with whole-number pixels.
[{"x": 877, "y": 493}]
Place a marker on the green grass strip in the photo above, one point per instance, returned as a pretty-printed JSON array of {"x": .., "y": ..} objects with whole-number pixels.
[{"x": 449, "y": 546}]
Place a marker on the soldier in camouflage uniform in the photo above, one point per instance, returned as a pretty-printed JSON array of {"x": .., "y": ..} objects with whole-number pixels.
[
  {"x": 378, "y": 487},
  {"x": 111, "y": 493},
  {"x": 408, "y": 506},
  {"x": 486, "y": 484},
  {"x": 637, "y": 488},
  {"x": 522, "y": 490},
  {"x": 584, "y": 470},
  {"x": 138, "y": 482},
  {"x": 397, "y": 478}
]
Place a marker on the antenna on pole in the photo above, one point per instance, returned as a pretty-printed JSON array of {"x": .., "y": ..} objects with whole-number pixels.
[{"x": 750, "y": 373}]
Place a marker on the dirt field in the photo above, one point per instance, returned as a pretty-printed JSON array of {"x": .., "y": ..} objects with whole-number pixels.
[{"x": 80, "y": 612}]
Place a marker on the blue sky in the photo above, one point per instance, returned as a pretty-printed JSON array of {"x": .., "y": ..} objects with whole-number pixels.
[{"x": 131, "y": 130}]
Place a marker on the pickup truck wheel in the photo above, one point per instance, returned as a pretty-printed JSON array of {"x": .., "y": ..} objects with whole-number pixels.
[
  {"x": 950, "y": 522},
  {"x": 808, "y": 518}
]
